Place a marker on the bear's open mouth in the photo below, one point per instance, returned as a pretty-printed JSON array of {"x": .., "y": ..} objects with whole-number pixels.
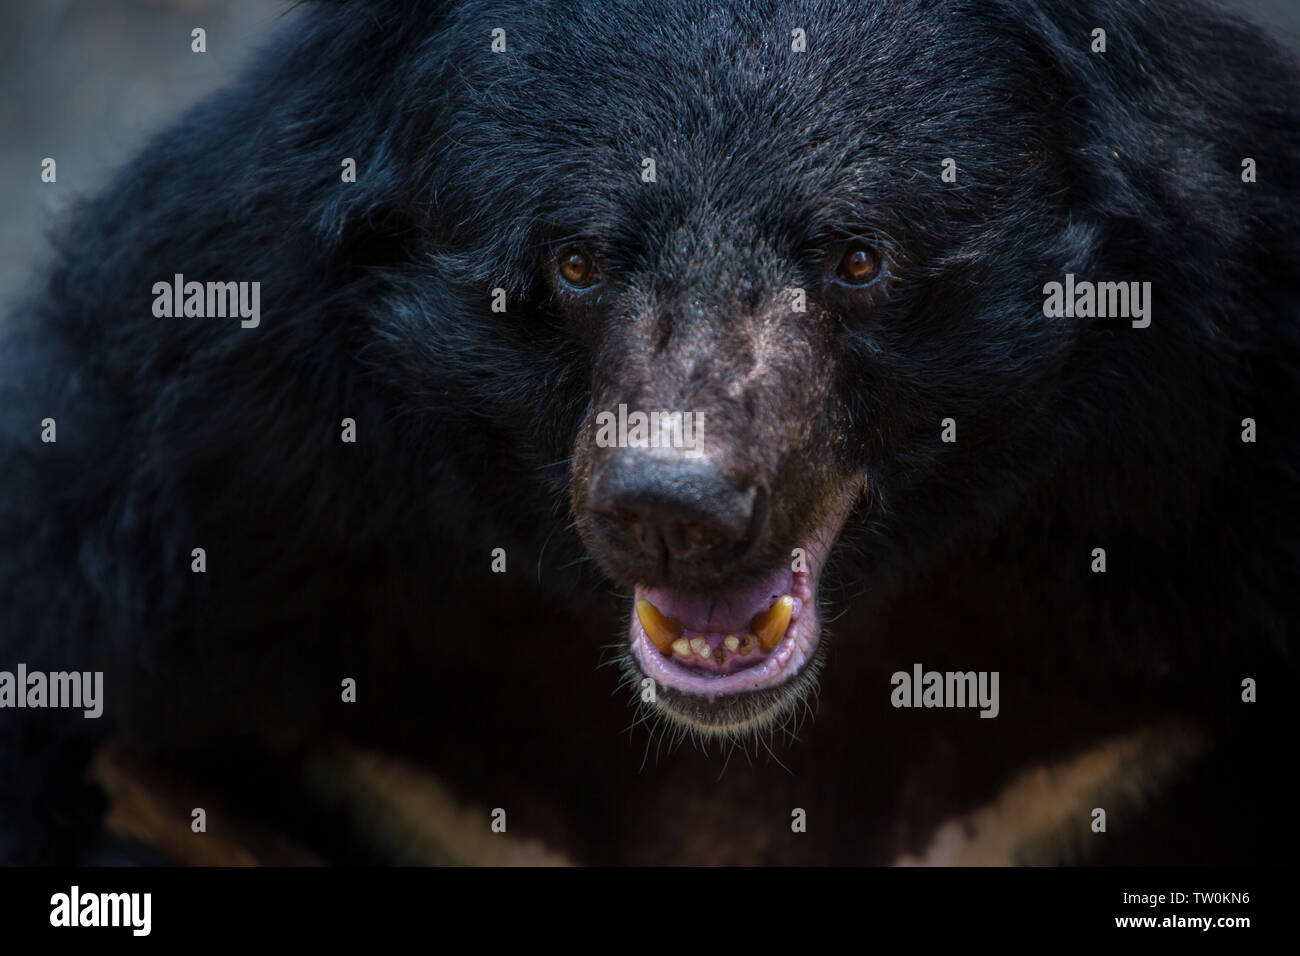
[
  {"x": 735, "y": 659},
  {"x": 749, "y": 639}
]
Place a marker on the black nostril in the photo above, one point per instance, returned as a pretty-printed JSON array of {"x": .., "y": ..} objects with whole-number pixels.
[{"x": 658, "y": 507}]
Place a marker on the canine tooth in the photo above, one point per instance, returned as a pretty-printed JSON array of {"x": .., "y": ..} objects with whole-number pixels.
[
  {"x": 661, "y": 630},
  {"x": 700, "y": 646},
  {"x": 732, "y": 643},
  {"x": 748, "y": 644},
  {"x": 682, "y": 647},
  {"x": 769, "y": 626}
]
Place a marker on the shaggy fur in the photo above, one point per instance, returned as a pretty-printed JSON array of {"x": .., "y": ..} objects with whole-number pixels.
[{"x": 371, "y": 560}]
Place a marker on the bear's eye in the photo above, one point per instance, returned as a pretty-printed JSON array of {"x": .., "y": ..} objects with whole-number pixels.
[
  {"x": 577, "y": 269},
  {"x": 859, "y": 266}
]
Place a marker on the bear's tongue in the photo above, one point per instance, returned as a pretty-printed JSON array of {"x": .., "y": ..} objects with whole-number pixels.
[{"x": 722, "y": 633}]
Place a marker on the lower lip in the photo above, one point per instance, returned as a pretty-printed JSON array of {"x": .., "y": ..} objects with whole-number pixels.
[{"x": 789, "y": 657}]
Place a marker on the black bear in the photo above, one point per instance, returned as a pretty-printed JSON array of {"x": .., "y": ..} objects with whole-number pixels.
[{"x": 926, "y": 369}]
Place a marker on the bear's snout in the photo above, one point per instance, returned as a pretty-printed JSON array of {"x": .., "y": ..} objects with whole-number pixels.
[{"x": 659, "y": 510}]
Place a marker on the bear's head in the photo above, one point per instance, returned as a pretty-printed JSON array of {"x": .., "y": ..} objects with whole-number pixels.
[{"x": 766, "y": 296}]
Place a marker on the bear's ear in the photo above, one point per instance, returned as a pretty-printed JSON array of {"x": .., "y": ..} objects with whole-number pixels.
[{"x": 1150, "y": 121}]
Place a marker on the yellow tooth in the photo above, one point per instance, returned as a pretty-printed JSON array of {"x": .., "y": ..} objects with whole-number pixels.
[
  {"x": 748, "y": 644},
  {"x": 661, "y": 630},
  {"x": 700, "y": 646},
  {"x": 682, "y": 647},
  {"x": 769, "y": 627},
  {"x": 732, "y": 643}
]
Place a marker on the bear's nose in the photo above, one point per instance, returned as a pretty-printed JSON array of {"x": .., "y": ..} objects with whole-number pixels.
[{"x": 660, "y": 508}]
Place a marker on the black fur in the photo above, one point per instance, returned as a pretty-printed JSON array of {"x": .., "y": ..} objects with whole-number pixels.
[{"x": 328, "y": 560}]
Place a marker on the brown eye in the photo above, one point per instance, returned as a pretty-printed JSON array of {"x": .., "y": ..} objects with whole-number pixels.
[
  {"x": 577, "y": 269},
  {"x": 859, "y": 266}
]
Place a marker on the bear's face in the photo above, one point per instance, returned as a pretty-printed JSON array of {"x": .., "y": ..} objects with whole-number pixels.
[
  {"x": 721, "y": 524},
  {"x": 771, "y": 268}
]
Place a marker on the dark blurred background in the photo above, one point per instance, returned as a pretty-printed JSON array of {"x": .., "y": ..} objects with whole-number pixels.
[{"x": 86, "y": 81}]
